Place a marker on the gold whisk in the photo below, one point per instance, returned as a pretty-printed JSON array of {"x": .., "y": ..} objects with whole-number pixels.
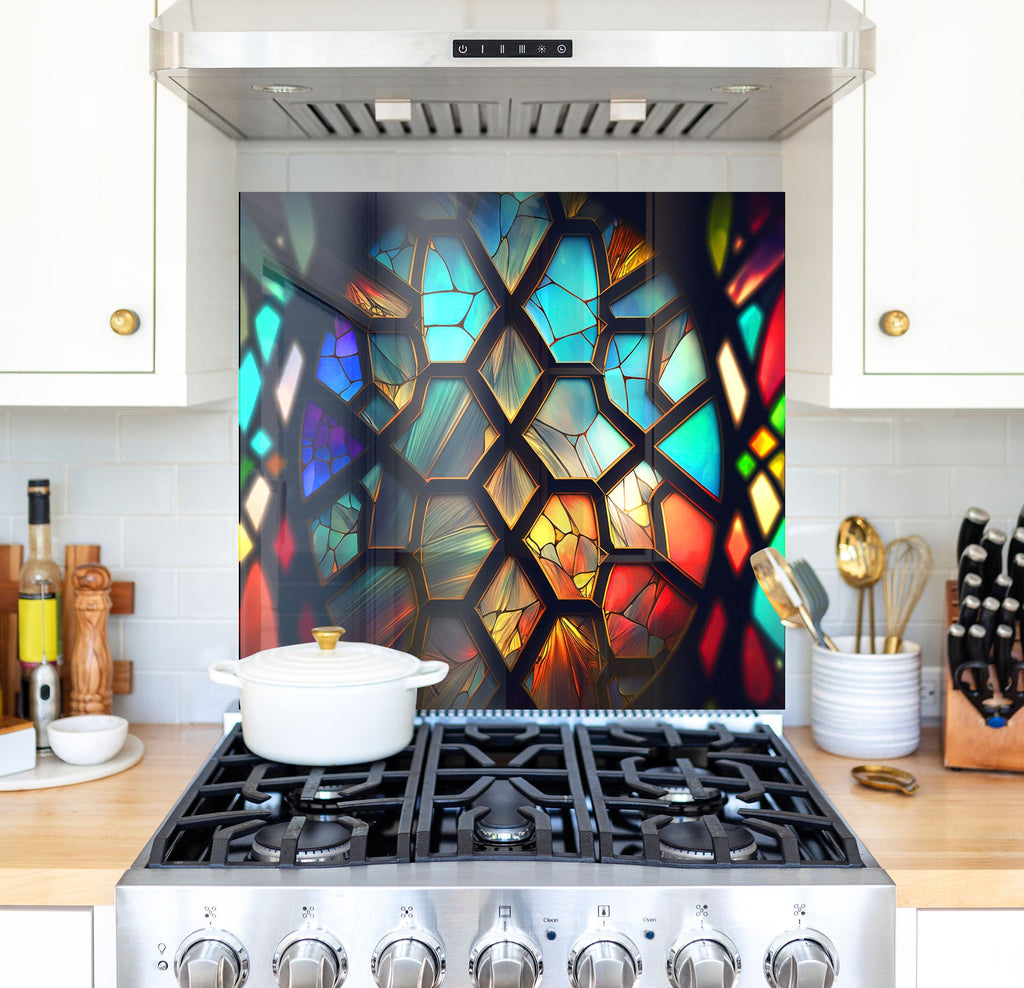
[{"x": 908, "y": 564}]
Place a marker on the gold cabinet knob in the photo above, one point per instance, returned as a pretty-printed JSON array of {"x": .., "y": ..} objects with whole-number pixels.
[
  {"x": 124, "y": 322},
  {"x": 895, "y": 323}
]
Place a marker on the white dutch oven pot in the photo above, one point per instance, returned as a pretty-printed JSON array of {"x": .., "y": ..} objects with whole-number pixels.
[{"x": 327, "y": 704}]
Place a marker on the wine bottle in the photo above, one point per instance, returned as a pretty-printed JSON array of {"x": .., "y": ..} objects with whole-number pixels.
[{"x": 39, "y": 592}]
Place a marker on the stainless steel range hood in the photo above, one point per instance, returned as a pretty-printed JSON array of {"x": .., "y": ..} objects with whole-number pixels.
[{"x": 494, "y": 69}]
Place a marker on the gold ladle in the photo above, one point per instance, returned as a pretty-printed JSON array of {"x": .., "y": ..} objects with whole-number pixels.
[
  {"x": 776, "y": 580},
  {"x": 860, "y": 559}
]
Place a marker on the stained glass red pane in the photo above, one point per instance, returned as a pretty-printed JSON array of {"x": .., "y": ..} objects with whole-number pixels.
[
  {"x": 757, "y": 669},
  {"x": 257, "y": 618},
  {"x": 284, "y": 544},
  {"x": 711, "y": 640},
  {"x": 689, "y": 536},
  {"x": 644, "y": 611},
  {"x": 771, "y": 373},
  {"x": 737, "y": 545}
]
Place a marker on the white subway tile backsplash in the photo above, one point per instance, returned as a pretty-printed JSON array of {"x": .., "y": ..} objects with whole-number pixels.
[
  {"x": 896, "y": 493},
  {"x": 208, "y": 593},
  {"x": 154, "y": 699},
  {"x": 812, "y": 493},
  {"x": 179, "y": 645},
  {"x": 961, "y": 439},
  {"x": 203, "y": 701},
  {"x": 572, "y": 169},
  {"x": 1015, "y": 439},
  {"x": 14, "y": 478},
  {"x": 755, "y": 172},
  {"x": 367, "y": 172},
  {"x": 470, "y": 172},
  {"x": 174, "y": 437},
  {"x": 1000, "y": 491},
  {"x": 156, "y": 592},
  {"x": 811, "y": 540},
  {"x": 115, "y": 489},
  {"x": 180, "y": 542},
  {"x": 101, "y": 530},
  {"x": 5, "y": 425},
  {"x": 209, "y": 490},
  {"x": 820, "y": 440},
  {"x": 73, "y": 437},
  {"x": 673, "y": 172}
]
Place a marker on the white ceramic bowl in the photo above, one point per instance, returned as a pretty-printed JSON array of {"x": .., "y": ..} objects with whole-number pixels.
[{"x": 88, "y": 739}]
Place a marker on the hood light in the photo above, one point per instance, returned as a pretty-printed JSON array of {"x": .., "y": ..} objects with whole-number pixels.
[
  {"x": 280, "y": 90},
  {"x": 741, "y": 89}
]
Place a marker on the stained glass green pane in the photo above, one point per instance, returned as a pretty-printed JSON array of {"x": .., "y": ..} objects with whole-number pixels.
[
  {"x": 371, "y": 479},
  {"x": 750, "y": 320},
  {"x": 261, "y": 443},
  {"x": 778, "y": 416},
  {"x": 248, "y": 389},
  {"x": 276, "y": 286},
  {"x": 569, "y": 434},
  {"x": 335, "y": 534},
  {"x": 643, "y": 301},
  {"x": 456, "y": 541},
  {"x": 456, "y": 305},
  {"x": 626, "y": 376},
  {"x": 564, "y": 306},
  {"x": 682, "y": 360},
  {"x": 394, "y": 250},
  {"x": 511, "y": 371},
  {"x": 379, "y": 411},
  {"x": 511, "y": 227},
  {"x": 267, "y": 325},
  {"x": 746, "y": 465},
  {"x": 696, "y": 448},
  {"x": 719, "y": 222},
  {"x": 440, "y": 205},
  {"x": 245, "y": 468},
  {"x": 764, "y": 613},
  {"x": 451, "y": 433},
  {"x": 301, "y": 220},
  {"x": 393, "y": 504}
]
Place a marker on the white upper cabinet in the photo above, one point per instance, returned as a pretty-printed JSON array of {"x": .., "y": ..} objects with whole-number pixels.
[
  {"x": 98, "y": 217},
  {"x": 907, "y": 199}
]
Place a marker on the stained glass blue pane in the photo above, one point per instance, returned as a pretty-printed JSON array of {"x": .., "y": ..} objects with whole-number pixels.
[
  {"x": 394, "y": 250},
  {"x": 511, "y": 226},
  {"x": 267, "y": 325},
  {"x": 248, "y": 389},
  {"x": 261, "y": 443},
  {"x": 750, "y": 322},
  {"x": 456, "y": 305},
  {"x": 643, "y": 301},
  {"x": 764, "y": 613},
  {"x": 326, "y": 448},
  {"x": 379, "y": 411},
  {"x": 564, "y": 306},
  {"x": 335, "y": 534},
  {"x": 682, "y": 360},
  {"x": 440, "y": 205},
  {"x": 696, "y": 448},
  {"x": 626, "y": 375},
  {"x": 393, "y": 505},
  {"x": 338, "y": 366}
]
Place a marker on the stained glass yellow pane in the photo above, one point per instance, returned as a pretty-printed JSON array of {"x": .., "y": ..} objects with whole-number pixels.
[
  {"x": 256, "y": 502},
  {"x": 765, "y": 502},
  {"x": 763, "y": 442},
  {"x": 778, "y": 468},
  {"x": 736, "y": 391},
  {"x": 244, "y": 542}
]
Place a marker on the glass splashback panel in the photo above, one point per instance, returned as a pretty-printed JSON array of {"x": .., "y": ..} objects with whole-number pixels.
[{"x": 533, "y": 435}]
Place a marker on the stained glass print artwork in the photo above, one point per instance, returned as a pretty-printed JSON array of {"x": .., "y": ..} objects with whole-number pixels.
[{"x": 533, "y": 435}]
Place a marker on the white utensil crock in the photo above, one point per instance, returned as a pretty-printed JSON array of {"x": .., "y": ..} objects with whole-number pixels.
[{"x": 304, "y": 705}]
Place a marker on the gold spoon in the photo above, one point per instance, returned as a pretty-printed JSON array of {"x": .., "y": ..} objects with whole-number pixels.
[
  {"x": 860, "y": 558},
  {"x": 776, "y": 580}
]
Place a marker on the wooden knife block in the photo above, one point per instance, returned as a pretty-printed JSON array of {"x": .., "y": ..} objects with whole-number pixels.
[
  {"x": 967, "y": 741},
  {"x": 122, "y": 596}
]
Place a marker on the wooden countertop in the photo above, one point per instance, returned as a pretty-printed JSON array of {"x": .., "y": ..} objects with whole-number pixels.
[{"x": 958, "y": 843}]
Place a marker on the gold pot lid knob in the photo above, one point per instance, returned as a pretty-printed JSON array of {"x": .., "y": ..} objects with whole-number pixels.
[
  {"x": 124, "y": 322},
  {"x": 327, "y": 636},
  {"x": 895, "y": 323}
]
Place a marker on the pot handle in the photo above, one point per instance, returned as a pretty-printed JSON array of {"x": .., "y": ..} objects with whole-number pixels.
[
  {"x": 430, "y": 673},
  {"x": 224, "y": 673}
]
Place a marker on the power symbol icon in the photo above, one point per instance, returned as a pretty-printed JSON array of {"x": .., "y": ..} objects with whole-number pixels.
[{"x": 463, "y": 49}]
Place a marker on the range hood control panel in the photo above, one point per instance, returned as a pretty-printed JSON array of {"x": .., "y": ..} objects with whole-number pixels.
[{"x": 514, "y": 48}]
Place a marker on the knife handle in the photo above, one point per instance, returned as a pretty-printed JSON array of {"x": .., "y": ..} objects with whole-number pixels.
[
  {"x": 1016, "y": 545},
  {"x": 972, "y": 560},
  {"x": 1020, "y": 518},
  {"x": 970, "y": 608},
  {"x": 955, "y": 649},
  {"x": 989, "y": 618},
  {"x": 1009, "y": 612},
  {"x": 1002, "y": 661},
  {"x": 993, "y": 542},
  {"x": 1016, "y": 571},
  {"x": 977, "y": 661},
  {"x": 972, "y": 527},
  {"x": 1000, "y": 587},
  {"x": 971, "y": 587}
]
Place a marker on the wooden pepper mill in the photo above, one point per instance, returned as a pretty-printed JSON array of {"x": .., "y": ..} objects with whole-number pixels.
[{"x": 92, "y": 670}]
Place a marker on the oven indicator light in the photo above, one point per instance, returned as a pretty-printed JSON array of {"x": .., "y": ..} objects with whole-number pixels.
[
  {"x": 649, "y": 934},
  {"x": 551, "y": 934}
]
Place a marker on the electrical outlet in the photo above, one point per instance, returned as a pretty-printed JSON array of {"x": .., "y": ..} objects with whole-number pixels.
[{"x": 931, "y": 694}]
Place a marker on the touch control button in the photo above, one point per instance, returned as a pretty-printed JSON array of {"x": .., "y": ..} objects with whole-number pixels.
[{"x": 801, "y": 959}]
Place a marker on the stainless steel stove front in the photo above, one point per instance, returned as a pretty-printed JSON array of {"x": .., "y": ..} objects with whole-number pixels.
[{"x": 487, "y": 925}]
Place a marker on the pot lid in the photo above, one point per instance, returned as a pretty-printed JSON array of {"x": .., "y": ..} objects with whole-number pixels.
[{"x": 326, "y": 662}]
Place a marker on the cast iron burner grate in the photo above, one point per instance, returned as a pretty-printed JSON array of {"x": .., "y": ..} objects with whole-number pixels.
[{"x": 501, "y": 790}]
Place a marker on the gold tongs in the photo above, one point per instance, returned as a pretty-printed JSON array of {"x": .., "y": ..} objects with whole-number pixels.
[{"x": 885, "y": 777}]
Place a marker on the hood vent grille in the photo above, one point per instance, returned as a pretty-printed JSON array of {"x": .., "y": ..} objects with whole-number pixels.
[{"x": 575, "y": 119}]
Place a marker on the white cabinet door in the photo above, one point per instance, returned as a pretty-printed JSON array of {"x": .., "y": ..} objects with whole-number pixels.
[
  {"x": 969, "y": 947},
  {"x": 76, "y": 186},
  {"x": 46, "y": 947},
  {"x": 944, "y": 204}
]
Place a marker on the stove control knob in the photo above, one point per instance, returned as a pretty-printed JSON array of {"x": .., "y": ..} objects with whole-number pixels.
[
  {"x": 705, "y": 960},
  {"x": 408, "y": 959},
  {"x": 211, "y": 959},
  {"x": 608, "y": 960},
  {"x": 801, "y": 959},
  {"x": 310, "y": 959},
  {"x": 505, "y": 961}
]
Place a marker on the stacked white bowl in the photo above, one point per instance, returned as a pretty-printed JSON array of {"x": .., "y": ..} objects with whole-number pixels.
[{"x": 863, "y": 705}]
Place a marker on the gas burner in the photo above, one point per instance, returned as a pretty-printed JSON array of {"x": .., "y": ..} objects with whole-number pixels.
[
  {"x": 682, "y": 802},
  {"x": 691, "y": 841},
  {"x": 502, "y": 824},
  {"x": 319, "y": 843},
  {"x": 327, "y": 803}
]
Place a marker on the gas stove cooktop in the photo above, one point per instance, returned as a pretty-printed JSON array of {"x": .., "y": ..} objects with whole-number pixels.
[{"x": 490, "y": 853}]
